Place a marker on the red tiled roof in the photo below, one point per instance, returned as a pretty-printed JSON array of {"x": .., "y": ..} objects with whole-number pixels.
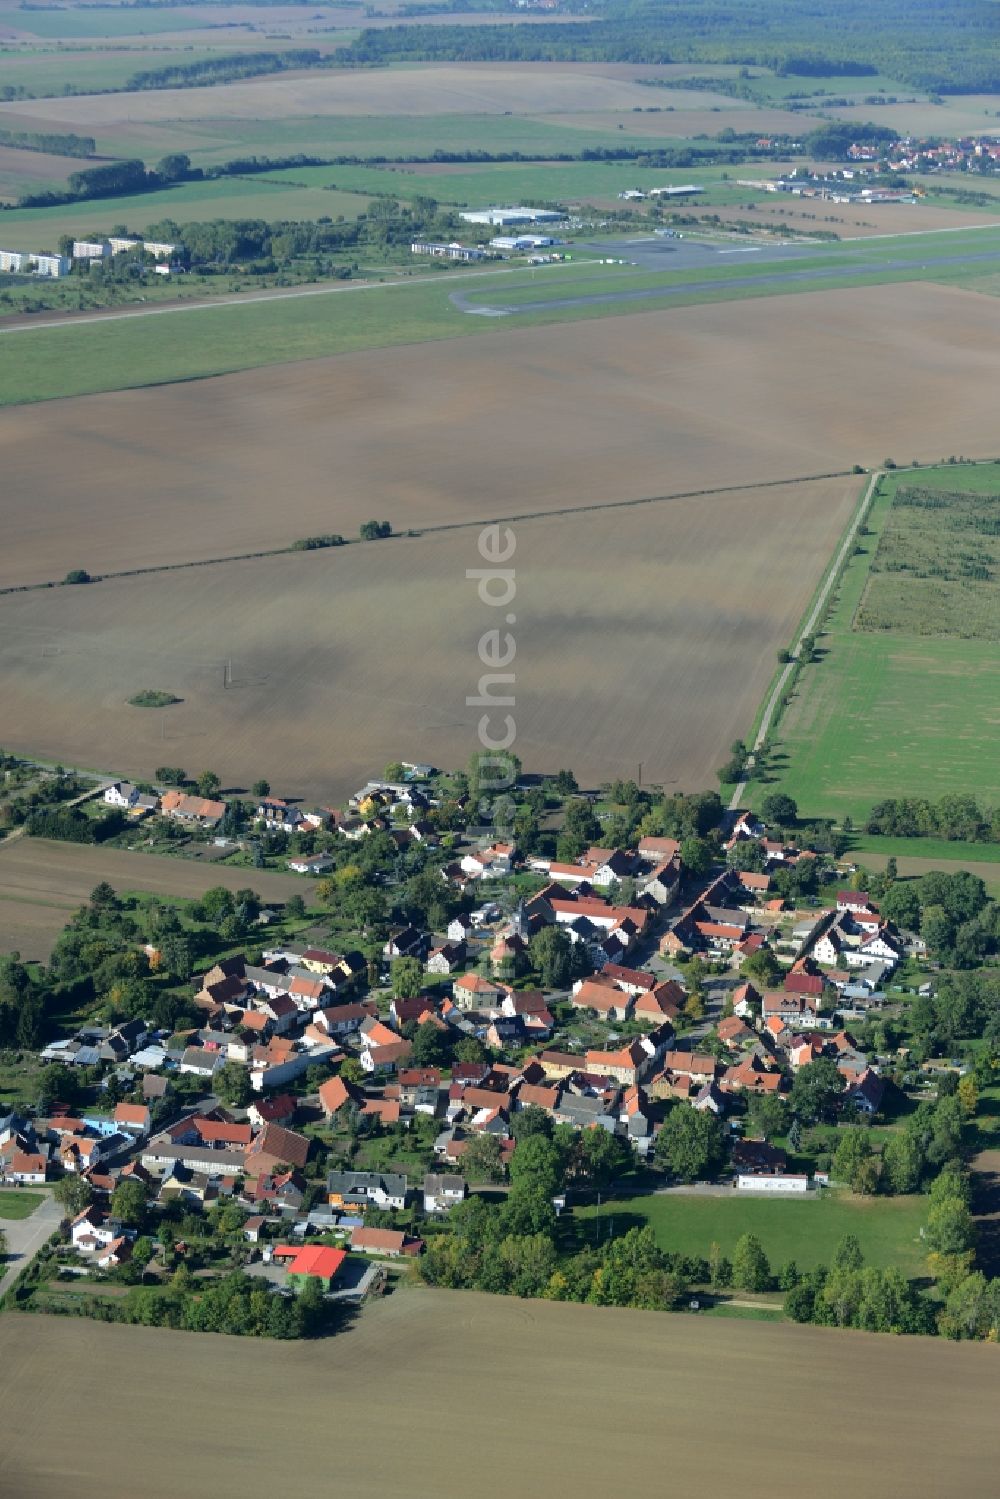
[{"x": 312, "y": 1259}]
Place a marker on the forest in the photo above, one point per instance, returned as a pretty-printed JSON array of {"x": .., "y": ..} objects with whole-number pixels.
[{"x": 924, "y": 44}]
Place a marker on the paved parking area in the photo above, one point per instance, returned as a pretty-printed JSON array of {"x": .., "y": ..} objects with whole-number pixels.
[{"x": 25, "y": 1237}]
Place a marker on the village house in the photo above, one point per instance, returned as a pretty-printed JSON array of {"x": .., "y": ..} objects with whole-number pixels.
[
  {"x": 133, "y": 1119},
  {"x": 489, "y": 863},
  {"x": 442, "y": 1192},
  {"x": 658, "y": 850},
  {"x": 406, "y": 943},
  {"x": 385, "y": 1241},
  {"x": 662, "y": 882},
  {"x": 199, "y": 809},
  {"x": 473, "y": 992},
  {"x": 732, "y": 1032},
  {"x": 277, "y": 814},
  {"x": 25, "y": 1168},
  {"x": 362, "y": 1189},
  {"x": 275, "y": 1147},
  {"x": 605, "y": 999},
  {"x": 335, "y": 1094},
  {"x": 447, "y": 958},
  {"x": 460, "y": 928}
]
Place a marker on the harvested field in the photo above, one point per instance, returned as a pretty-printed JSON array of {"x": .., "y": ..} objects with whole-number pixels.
[
  {"x": 646, "y": 633},
  {"x": 662, "y": 403},
  {"x": 448, "y": 88},
  {"x": 914, "y": 865},
  {"x": 20, "y": 171},
  {"x": 424, "y": 1350},
  {"x": 689, "y": 112},
  {"x": 854, "y": 221},
  {"x": 958, "y": 114},
  {"x": 42, "y": 882}
]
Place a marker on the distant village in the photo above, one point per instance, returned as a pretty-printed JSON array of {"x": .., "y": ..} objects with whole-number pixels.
[{"x": 312, "y": 1041}]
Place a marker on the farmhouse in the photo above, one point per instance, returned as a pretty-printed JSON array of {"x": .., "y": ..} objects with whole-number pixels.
[{"x": 199, "y": 809}]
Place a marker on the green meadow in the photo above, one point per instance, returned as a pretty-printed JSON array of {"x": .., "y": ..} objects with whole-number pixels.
[
  {"x": 188, "y": 202},
  {"x": 804, "y": 1230},
  {"x": 891, "y": 714},
  {"x": 18, "y": 1203},
  {"x": 507, "y": 182}
]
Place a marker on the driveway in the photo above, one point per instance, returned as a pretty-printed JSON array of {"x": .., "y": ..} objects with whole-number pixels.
[{"x": 25, "y": 1237}]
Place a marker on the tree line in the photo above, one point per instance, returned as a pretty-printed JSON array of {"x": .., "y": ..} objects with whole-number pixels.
[
  {"x": 955, "y": 817},
  {"x": 226, "y": 69},
  {"x": 57, "y": 145}
]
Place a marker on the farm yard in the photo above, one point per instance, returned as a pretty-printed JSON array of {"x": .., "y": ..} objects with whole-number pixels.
[
  {"x": 663, "y": 404},
  {"x": 573, "y": 1430},
  {"x": 928, "y": 703},
  {"x": 42, "y": 883},
  {"x": 370, "y": 651}
]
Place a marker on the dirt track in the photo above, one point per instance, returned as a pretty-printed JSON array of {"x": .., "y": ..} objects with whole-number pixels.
[
  {"x": 42, "y": 882},
  {"x": 451, "y": 1393}
]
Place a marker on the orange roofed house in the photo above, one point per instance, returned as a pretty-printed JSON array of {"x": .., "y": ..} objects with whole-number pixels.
[{"x": 192, "y": 808}]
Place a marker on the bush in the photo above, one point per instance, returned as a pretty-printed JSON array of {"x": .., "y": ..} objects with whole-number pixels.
[
  {"x": 78, "y": 575},
  {"x": 151, "y": 697}
]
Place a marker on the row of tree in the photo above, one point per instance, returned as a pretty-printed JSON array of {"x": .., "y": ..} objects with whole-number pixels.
[{"x": 955, "y": 816}]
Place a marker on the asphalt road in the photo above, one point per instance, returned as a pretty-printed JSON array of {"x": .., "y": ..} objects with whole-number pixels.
[
  {"x": 468, "y": 302},
  {"x": 25, "y": 1237}
]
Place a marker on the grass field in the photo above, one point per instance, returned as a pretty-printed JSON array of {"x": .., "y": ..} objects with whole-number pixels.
[
  {"x": 661, "y": 1376},
  {"x": 18, "y": 1204},
  {"x": 936, "y": 569},
  {"x": 311, "y": 193},
  {"x": 190, "y": 202},
  {"x": 928, "y": 848},
  {"x": 807, "y": 1231},
  {"x": 926, "y": 708},
  {"x": 505, "y": 182}
]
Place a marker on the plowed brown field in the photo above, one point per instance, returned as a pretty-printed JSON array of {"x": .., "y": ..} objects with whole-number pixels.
[
  {"x": 43, "y": 882},
  {"x": 547, "y": 1398},
  {"x": 645, "y": 633},
  {"x": 518, "y": 421}
]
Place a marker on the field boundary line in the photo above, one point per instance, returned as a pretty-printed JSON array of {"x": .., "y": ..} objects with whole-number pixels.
[
  {"x": 416, "y": 532},
  {"x": 806, "y": 627}
]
